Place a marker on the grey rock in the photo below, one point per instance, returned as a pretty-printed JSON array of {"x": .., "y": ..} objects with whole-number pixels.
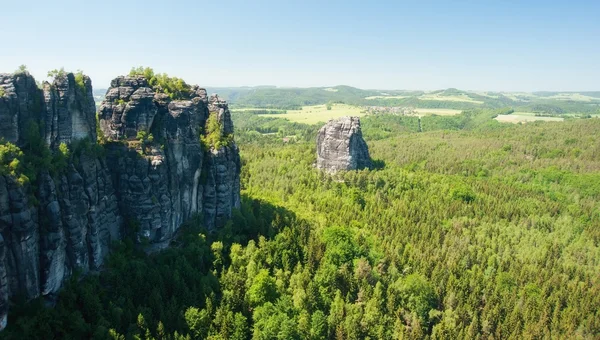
[
  {"x": 22, "y": 102},
  {"x": 70, "y": 110},
  {"x": 74, "y": 215},
  {"x": 168, "y": 180},
  {"x": 340, "y": 146}
]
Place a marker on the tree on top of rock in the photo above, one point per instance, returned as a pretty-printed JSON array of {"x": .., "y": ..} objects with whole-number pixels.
[{"x": 175, "y": 88}]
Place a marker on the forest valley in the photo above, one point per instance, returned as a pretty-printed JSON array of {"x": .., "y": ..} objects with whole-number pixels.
[{"x": 465, "y": 228}]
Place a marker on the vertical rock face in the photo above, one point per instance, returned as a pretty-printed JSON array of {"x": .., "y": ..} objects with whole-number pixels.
[
  {"x": 164, "y": 179},
  {"x": 20, "y": 103},
  {"x": 152, "y": 174},
  {"x": 340, "y": 146},
  {"x": 61, "y": 222},
  {"x": 70, "y": 110}
]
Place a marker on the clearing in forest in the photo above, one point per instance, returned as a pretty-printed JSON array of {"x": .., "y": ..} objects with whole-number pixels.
[
  {"x": 439, "y": 112},
  {"x": 524, "y": 117},
  {"x": 456, "y": 98},
  {"x": 318, "y": 113}
]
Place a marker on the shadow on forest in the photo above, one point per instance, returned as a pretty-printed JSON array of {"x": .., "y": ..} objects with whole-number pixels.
[
  {"x": 159, "y": 286},
  {"x": 377, "y": 164}
]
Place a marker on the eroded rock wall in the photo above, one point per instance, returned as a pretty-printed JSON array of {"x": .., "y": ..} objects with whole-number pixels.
[
  {"x": 152, "y": 175},
  {"x": 168, "y": 176}
]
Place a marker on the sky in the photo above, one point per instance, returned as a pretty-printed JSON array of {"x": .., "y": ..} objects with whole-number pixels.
[{"x": 414, "y": 45}]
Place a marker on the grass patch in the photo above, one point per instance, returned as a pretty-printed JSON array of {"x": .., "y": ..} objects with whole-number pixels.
[
  {"x": 525, "y": 117},
  {"x": 386, "y": 97},
  {"x": 439, "y": 112},
  {"x": 319, "y": 113},
  {"x": 454, "y": 98}
]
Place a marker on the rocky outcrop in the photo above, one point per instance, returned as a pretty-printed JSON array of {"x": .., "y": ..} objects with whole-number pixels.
[
  {"x": 21, "y": 102},
  {"x": 61, "y": 222},
  {"x": 152, "y": 174},
  {"x": 70, "y": 109},
  {"x": 340, "y": 146},
  {"x": 63, "y": 110},
  {"x": 166, "y": 175}
]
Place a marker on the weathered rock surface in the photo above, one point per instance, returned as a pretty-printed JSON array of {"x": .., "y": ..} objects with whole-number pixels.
[
  {"x": 166, "y": 180},
  {"x": 340, "y": 146},
  {"x": 70, "y": 110},
  {"x": 66, "y": 221}
]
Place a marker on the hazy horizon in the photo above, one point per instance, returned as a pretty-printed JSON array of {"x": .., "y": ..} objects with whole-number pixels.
[{"x": 526, "y": 47}]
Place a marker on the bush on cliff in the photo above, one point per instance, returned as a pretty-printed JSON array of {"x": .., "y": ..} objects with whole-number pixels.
[
  {"x": 174, "y": 87},
  {"x": 212, "y": 136}
]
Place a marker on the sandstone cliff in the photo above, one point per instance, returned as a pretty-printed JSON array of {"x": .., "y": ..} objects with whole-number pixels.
[
  {"x": 151, "y": 175},
  {"x": 340, "y": 146},
  {"x": 163, "y": 172}
]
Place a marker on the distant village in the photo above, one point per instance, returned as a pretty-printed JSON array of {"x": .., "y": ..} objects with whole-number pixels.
[{"x": 395, "y": 110}]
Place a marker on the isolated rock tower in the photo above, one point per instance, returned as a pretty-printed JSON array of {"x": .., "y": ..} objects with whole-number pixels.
[{"x": 340, "y": 146}]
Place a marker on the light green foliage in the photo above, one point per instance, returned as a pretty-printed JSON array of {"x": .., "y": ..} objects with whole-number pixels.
[
  {"x": 417, "y": 295},
  {"x": 213, "y": 136},
  {"x": 275, "y": 321},
  {"x": 198, "y": 321},
  {"x": 11, "y": 158},
  {"x": 22, "y": 69},
  {"x": 141, "y": 135},
  {"x": 174, "y": 87},
  {"x": 2, "y": 91},
  {"x": 80, "y": 81},
  {"x": 262, "y": 290},
  {"x": 57, "y": 73}
]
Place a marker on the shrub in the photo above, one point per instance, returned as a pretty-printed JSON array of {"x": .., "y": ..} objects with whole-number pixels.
[
  {"x": 80, "y": 80},
  {"x": 22, "y": 69},
  {"x": 212, "y": 136},
  {"x": 57, "y": 73},
  {"x": 174, "y": 87}
]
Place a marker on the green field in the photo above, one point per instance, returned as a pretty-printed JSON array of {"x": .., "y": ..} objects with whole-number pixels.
[
  {"x": 574, "y": 97},
  {"x": 385, "y": 97},
  {"x": 439, "y": 112},
  {"x": 525, "y": 117},
  {"x": 456, "y": 98},
  {"x": 319, "y": 113}
]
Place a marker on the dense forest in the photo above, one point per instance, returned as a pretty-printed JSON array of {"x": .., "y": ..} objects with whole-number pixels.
[{"x": 466, "y": 228}]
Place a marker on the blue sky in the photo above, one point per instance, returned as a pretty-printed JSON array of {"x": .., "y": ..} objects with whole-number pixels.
[{"x": 472, "y": 45}]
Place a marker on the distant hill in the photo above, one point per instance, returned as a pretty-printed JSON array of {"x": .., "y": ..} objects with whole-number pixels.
[
  {"x": 289, "y": 98},
  {"x": 294, "y": 98}
]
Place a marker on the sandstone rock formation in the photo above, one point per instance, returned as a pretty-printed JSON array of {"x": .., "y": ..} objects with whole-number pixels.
[
  {"x": 340, "y": 146},
  {"x": 65, "y": 220},
  {"x": 165, "y": 181}
]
